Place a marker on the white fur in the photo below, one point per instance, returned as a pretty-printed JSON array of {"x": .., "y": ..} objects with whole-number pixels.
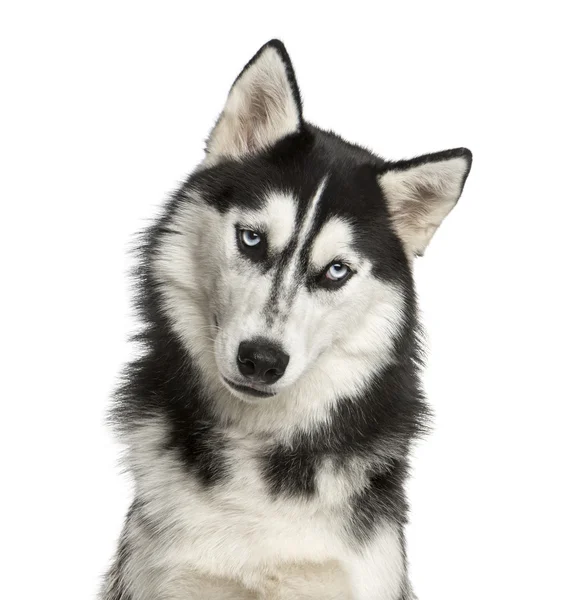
[
  {"x": 277, "y": 219},
  {"x": 377, "y": 573},
  {"x": 421, "y": 197},
  {"x": 236, "y": 539},
  {"x": 334, "y": 240},
  {"x": 336, "y": 342}
]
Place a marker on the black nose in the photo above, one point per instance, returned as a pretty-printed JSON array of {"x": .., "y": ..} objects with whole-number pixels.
[{"x": 261, "y": 361}]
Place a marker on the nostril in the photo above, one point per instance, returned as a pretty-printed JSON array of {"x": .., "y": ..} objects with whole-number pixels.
[
  {"x": 246, "y": 366},
  {"x": 272, "y": 375}
]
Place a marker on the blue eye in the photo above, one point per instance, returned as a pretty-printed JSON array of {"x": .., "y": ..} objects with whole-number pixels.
[
  {"x": 250, "y": 238},
  {"x": 337, "y": 272},
  {"x": 252, "y": 244}
]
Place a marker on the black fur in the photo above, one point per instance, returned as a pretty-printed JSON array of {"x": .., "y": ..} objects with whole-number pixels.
[
  {"x": 391, "y": 413},
  {"x": 164, "y": 381}
]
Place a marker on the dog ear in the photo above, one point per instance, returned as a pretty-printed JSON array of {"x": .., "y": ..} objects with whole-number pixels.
[
  {"x": 422, "y": 191},
  {"x": 263, "y": 106}
]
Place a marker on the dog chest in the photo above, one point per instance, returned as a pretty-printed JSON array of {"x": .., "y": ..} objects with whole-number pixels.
[{"x": 268, "y": 506}]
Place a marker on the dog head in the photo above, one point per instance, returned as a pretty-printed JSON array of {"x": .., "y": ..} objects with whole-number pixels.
[{"x": 284, "y": 262}]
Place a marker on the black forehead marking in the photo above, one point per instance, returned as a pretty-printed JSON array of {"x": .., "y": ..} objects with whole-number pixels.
[
  {"x": 320, "y": 218},
  {"x": 272, "y": 309},
  {"x": 297, "y": 165}
]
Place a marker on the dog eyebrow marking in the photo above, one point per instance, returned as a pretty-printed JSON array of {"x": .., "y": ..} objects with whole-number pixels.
[
  {"x": 333, "y": 241},
  {"x": 276, "y": 218},
  {"x": 279, "y": 215}
]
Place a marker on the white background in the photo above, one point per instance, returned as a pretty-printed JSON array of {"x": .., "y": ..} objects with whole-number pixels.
[{"x": 104, "y": 108}]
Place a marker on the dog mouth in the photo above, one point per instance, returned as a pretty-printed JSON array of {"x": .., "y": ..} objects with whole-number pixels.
[{"x": 247, "y": 389}]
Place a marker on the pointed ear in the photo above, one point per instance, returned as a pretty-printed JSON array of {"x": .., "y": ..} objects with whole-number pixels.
[
  {"x": 263, "y": 106},
  {"x": 422, "y": 191}
]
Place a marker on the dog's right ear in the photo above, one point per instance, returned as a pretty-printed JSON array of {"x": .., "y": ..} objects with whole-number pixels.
[{"x": 263, "y": 106}]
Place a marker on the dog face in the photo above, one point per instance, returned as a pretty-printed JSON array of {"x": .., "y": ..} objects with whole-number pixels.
[{"x": 285, "y": 260}]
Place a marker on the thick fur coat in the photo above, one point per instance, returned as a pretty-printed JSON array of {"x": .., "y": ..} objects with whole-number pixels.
[{"x": 270, "y": 412}]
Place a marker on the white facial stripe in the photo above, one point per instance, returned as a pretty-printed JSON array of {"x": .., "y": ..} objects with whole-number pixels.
[
  {"x": 334, "y": 240},
  {"x": 303, "y": 234}
]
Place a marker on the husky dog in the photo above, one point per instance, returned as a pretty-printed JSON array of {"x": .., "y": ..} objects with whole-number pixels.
[{"x": 269, "y": 417}]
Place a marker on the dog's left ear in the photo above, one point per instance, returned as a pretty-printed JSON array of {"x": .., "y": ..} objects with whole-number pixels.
[
  {"x": 421, "y": 192},
  {"x": 263, "y": 106}
]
